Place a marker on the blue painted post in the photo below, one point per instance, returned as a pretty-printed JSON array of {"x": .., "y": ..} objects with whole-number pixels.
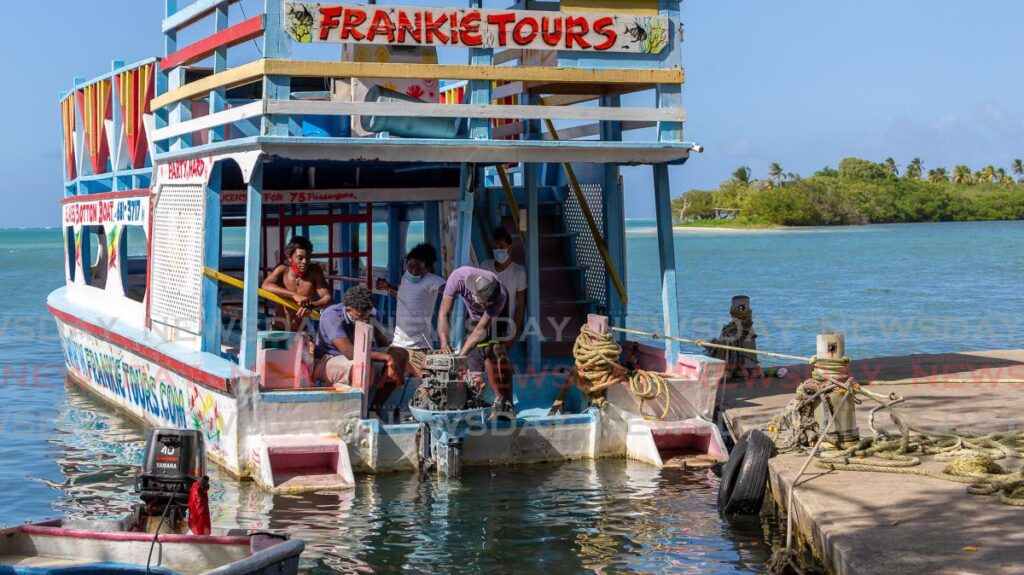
[
  {"x": 667, "y": 253},
  {"x": 181, "y": 111},
  {"x": 463, "y": 242},
  {"x": 432, "y": 228},
  {"x": 614, "y": 219},
  {"x": 533, "y": 317},
  {"x": 277, "y": 45},
  {"x": 670, "y": 95},
  {"x": 211, "y": 334},
  {"x": 479, "y": 90},
  {"x": 82, "y": 167},
  {"x": 220, "y": 64},
  {"x": 396, "y": 244},
  {"x": 161, "y": 117},
  {"x": 250, "y": 300},
  {"x": 116, "y": 120}
]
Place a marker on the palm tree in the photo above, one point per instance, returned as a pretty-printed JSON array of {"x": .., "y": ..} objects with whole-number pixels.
[
  {"x": 891, "y": 168},
  {"x": 998, "y": 175},
  {"x": 775, "y": 171},
  {"x": 742, "y": 174},
  {"x": 987, "y": 174},
  {"x": 1018, "y": 167},
  {"x": 914, "y": 169},
  {"x": 938, "y": 176},
  {"x": 961, "y": 175},
  {"x": 1007, "y": 180}
]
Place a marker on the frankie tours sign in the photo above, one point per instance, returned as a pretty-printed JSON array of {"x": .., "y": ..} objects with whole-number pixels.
[{"x": 313, "y": 22}]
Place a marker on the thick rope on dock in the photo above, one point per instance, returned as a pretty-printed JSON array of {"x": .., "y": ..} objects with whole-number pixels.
[
  {"x": 972, "y": 457},
  {"x": 598, "y": 368}
]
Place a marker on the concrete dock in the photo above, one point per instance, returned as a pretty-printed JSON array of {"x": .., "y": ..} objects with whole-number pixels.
[{"x": 880, "y": 523}]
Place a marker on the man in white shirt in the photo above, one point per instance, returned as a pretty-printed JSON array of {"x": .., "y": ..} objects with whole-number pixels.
[
  {"x": 417, "y": 295},
  {"x": 511, "y": 275}
]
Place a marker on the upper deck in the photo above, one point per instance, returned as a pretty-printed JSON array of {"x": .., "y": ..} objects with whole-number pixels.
[{"x": 302, "y": 81}]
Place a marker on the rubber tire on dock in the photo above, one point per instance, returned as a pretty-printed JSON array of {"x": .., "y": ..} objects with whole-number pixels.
[{"x": 745, "y": 477}]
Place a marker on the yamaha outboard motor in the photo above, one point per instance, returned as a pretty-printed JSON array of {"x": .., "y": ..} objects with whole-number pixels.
[{"x": 175, "y": 459}]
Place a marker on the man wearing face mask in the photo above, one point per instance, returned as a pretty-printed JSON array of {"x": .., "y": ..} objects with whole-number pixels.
[
  {"x": 417, "y": 295},
  {"x": 486, "y": 301},
  {"x": 512, "y": 276}
]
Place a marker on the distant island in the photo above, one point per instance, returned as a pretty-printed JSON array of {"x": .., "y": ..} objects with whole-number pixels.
[{"x": 859, "y": 192}]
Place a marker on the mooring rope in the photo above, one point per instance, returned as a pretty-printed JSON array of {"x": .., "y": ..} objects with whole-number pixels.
[
  {"x": 971, "y": 456},
  {"x": 598, "y": 368}
]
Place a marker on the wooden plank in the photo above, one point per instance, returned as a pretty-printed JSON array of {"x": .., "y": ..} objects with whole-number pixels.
[
  {"x": 505, "y": 90},
  {"x": 466, "y": 72},
  {"x": 507, "y": 56},
  {"x": 576, "y": 77},
  {"x": 308, "y": 107},
  {"x": 638, "y": 7},
  {"x": 566, "y": 99},
  {"x": 505, "y": 130},
  {"x": 594, "y": 130},
  {"x": 233, "y": 36},
  {"x": 244, "y": 74},
  {"x": 191, "y": 14},
  {"x": 228, "y": 116}
]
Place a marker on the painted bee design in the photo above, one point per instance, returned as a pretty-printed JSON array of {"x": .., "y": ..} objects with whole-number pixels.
[
  {"x": 300, "y": 22},
  {"x": 650, "y": 33}
]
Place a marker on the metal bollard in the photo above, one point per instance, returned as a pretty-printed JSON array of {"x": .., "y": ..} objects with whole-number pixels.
[{"x": 831, "y": 353}]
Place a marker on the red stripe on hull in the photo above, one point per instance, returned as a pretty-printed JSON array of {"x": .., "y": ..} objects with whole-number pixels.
[{"x": 187, "y": 371}]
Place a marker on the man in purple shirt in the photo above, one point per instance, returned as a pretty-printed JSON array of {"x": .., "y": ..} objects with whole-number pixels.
[{"x": 487, "y": 310}]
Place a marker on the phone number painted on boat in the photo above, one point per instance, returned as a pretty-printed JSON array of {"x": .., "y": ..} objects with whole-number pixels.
[
  {"x": 125, "y": 211},
  {"x": 314, "y": 22}
]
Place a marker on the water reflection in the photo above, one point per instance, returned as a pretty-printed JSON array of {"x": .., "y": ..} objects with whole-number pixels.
[{"x": 582, "y": 517}]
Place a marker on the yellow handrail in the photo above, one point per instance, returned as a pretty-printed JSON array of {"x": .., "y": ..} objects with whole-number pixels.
[
  {"x": 594, "y": 231},
  {"x": 235, "y": 282}
]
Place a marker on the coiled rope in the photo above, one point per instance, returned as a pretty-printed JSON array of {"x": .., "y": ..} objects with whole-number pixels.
[
  {"x": 598, "y": 368},
  {"x": 972, "y": 457}
]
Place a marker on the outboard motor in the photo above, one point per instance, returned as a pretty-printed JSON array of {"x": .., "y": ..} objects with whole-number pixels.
[
  {"x": 174, "y": 460},
  {"x": 447, "y": 404}
]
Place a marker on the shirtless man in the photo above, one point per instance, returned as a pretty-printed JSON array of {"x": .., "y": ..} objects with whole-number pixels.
[{"x": 299, "y": 280}]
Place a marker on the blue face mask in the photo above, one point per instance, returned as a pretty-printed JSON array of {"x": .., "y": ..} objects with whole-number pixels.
[{"x": 412, "y": 279}]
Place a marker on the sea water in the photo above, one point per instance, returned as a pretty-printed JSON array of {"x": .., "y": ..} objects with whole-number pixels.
[{"x": 894, "y": 290}]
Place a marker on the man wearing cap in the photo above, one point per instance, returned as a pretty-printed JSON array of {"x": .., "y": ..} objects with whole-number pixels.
[{"x": 486, "y": 301}]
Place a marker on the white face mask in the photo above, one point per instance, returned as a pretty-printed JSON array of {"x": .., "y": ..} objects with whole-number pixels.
[{"x": 501, "y": 256}]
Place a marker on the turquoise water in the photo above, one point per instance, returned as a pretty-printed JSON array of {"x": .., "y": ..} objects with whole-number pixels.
[{"x": 893, "y": 290}]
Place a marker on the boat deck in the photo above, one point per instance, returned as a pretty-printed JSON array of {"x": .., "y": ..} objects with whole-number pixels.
[{"x": 860, "y": 523}]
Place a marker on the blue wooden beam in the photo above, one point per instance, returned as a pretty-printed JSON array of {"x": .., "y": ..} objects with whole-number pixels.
[
  {"x": 220, "y": 64},
  {"x": 432, "y": 229},
  {"x": 667, "y": 253},
  {"x": 175, "y": 19},
  {"x": 463, "y": 242},
  {"x": 533, "y": 318},
  {"x": 614, "y": 211},
  {"x": 670, "y": 95},
  {"x": 211, "y": 334},
  {"x": 251, "y": 277}
]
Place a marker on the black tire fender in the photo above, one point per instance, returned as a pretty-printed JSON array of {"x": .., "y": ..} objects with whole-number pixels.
[{"x": 745, "y": 476}]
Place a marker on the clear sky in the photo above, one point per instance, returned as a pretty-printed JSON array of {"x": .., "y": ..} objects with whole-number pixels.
[{"x": 801, "y": 82}]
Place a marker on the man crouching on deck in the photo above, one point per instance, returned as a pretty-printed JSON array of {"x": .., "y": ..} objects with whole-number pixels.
[
  {"x": 335, "y": 343},
  {"x": 300, "y": 281},
  {"x": 487, "y": 302}
]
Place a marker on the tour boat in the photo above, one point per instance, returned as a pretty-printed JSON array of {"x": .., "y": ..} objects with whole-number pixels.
[{"x": 185, "y": 176}]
